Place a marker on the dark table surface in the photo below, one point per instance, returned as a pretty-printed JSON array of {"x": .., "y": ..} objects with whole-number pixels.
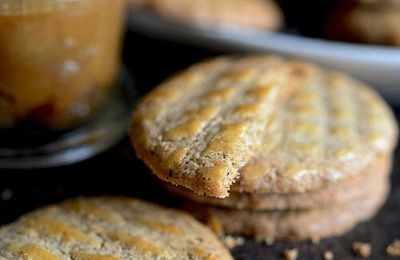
[{"x": 117, "y": 172}]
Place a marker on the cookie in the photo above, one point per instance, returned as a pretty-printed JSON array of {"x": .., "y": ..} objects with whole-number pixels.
[
  {"x": 329, "y": 129},
  {"x": 336, "y": 193},
  {"x": 264, "y": 14},
  {"x": 388, "y": 3},
  {"x": 108, "y": 229},
  {"x": 198, "y": 128},
  {"x": 295, "y": 225},
  {"x": 365, "y": 24},
  {"x": 285, "y": 126}
]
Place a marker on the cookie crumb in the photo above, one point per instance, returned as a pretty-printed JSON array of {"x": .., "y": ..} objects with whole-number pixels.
[
  {"x": 216, "y": 227},
  {"x": 6, "y": 195},
  {"x": 394, "y": 248},
  {"x": 362, "y": 249},
  {"x": 328, "y": 255},
  {"x": 269, "y": 241},
  {"x": 315, "y": 240},
  {"x": 291, "y": 254},
  {"x": 232, "y": 242}
]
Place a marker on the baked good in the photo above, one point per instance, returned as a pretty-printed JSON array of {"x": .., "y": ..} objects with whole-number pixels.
[
  {"x": 293, "y": 127},
  {"x": 108, "y": 229},
  {"x": 336, "y": 193},
  {"x": 388, "y": 3},
  {"x": 295, "y": 224},
  {"x": 264, "y": 14},
  {"x": 375, "y": 24},
  {"x": 198, "y": 128},
  {"x": 312, "y": 147}
]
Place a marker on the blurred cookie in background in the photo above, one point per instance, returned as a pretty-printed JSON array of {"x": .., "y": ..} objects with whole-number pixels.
[
  {"x": 374, "y": 23},
  {"x": 243, "y": 13},
  {"x": 378, "y": 2}
]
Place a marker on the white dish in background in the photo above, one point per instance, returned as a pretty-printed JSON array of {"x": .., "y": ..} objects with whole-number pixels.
[{"x": 377, "y": 65}]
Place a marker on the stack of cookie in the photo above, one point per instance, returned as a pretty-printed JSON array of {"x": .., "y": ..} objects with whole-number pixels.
[
  {"x": 306, "y": 151},
  {"x": 366, "y": 21}
]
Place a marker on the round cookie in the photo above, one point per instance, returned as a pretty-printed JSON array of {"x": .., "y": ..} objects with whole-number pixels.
[
  {"x": 283, "y": 126},
  {"x": 336, "y": 193},
  {"x": 264, "y": 14},
  {"x": 365, "y": 24},
  {"x": 294, "y": 225},
  {"x": 108, "y": 229}
]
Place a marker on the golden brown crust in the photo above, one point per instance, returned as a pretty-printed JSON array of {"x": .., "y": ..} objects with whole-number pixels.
[
  {"x": 108, "y": 229},
  {"x": 296, "y": 225},
  {"x": 375, "y": 24},
  {"x": 200, "y": 127},
  {"x": 335, "y": 193},
  {"x": 330, "y": 129},
  {"x": 263, "y": 14},
  {"x": 294, "y": 127}
]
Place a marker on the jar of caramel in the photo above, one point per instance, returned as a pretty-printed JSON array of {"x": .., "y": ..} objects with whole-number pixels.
[{"x": 59, "y": 60}]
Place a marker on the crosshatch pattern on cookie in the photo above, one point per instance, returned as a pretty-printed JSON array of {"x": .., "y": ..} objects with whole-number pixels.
[
  {"x": 108, "y": 229},
  {"x": 207, "y": 131},
  {"x": 330, "y": 128},
  {"x": 292, "y": 126}
]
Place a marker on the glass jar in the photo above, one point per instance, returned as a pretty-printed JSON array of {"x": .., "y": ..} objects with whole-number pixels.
[{"x": 59, "y": 60}]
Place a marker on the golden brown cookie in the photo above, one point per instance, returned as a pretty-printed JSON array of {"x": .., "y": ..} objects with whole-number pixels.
[
  {"x": 336, "y": 193},
  {"x": 293, "y": 127},
  {"x": 375, "y": 24},
  {"x": 108, "y": 229},
  {"x": 198, "y": 128},
  {"x": 295, "y": 224},
  {"x": 263, "y": 14},
  {"x": 329, "y": 129}
]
